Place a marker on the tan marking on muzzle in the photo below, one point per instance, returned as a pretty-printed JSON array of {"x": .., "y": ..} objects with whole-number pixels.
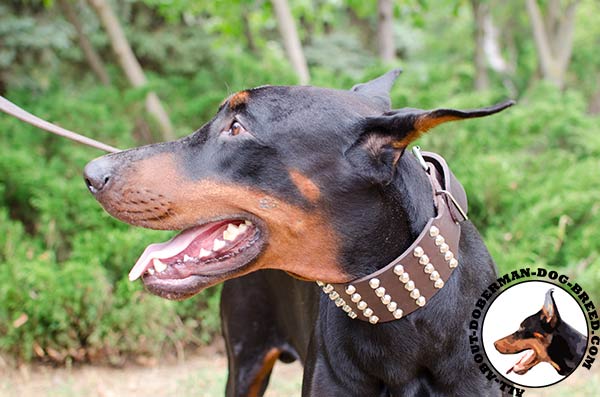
[
  {"x": 306, "y": 186},
  {"x": 299, "y": 241},
  {"x": 510, "y": 345}
]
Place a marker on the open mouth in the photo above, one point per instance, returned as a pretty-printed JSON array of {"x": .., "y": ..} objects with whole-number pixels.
[
  {"x": 198, "y": 257},
  {"x": 524, "y": 364}
]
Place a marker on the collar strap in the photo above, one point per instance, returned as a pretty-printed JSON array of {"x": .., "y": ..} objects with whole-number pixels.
[{"x": 412, "y": 279}]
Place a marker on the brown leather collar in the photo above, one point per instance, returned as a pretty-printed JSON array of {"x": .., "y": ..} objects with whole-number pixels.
[{"x": 412, "y": 279}]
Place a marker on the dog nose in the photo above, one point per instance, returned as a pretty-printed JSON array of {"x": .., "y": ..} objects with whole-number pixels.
[{"x": 97, "y": 174}]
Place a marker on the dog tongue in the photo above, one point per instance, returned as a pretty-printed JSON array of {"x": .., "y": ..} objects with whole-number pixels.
[
  {"x": 521, "y": 364},
  {"x": 165, "y": 250}
]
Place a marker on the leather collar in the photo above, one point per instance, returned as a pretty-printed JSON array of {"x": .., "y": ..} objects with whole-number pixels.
[{"x": 412, "y": 279}]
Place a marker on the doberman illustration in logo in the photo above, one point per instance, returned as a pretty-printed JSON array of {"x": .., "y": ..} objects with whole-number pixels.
[{"x": 544, "y": 336}]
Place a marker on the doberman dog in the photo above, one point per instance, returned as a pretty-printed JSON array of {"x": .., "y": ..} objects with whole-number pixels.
[
  {"x": 308, "y": 184},
  {"x": 545, "y": 337}
]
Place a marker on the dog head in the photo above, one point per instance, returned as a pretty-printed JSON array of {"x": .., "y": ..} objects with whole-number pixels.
[
  {"x": 282, "y": 177},
  {"x": 533, "y": 337}
]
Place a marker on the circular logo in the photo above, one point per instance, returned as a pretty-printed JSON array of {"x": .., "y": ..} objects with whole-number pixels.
[{"x": 535, "y": 334}]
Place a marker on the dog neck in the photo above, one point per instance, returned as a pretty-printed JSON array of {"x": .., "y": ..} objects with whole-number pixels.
[
  {"x": 426, "y": 261},
  {"x": 413, "y": 196},
  {"x": 393, "y": 215}
]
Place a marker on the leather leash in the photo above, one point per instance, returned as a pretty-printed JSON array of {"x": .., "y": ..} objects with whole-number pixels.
[{"x": 10, "y": 108}]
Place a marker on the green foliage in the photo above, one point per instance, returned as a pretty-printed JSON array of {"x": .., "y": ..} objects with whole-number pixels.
[
  {"x": 63, "y": 261},
  {"x": 531, "y": 179},
  {"x": 352, "y": 64},
  {"x": 28, "y": 40},
  {"x": 586, "y": 64}
]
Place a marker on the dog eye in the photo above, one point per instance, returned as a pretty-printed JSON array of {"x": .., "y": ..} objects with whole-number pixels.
[{"x": 236, "y": 129}]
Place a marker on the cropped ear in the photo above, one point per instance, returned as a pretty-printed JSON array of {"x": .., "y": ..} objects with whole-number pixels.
[
  {"x": 378, "y": 89},
  {"x": 549, "y": 313},
  {"x": 384, "y": 138},
  {"x": 404, "y": 126}
]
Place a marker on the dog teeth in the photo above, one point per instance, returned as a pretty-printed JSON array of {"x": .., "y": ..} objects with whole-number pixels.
[
  {"x": 158, "y": 265},
  {"x": 187, "y": 258},
  {"x": 151, "y": 271},
  {"x": 231, "y": 232},
  {"x": 204, "y": 253},
  {"x": 218, "y": 244},
  {"x": 248, "y": 223}
]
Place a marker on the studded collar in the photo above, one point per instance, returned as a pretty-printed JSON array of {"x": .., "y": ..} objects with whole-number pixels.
[{"x": 412, "y": 279}]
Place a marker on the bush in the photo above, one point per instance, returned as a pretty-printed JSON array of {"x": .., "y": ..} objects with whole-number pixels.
[
  {"x": 63, "y": 261},
  {"x": 530, "y": 175}
]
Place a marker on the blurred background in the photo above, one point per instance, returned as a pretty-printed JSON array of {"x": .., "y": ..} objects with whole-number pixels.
[{"x": 139, "y": 71}]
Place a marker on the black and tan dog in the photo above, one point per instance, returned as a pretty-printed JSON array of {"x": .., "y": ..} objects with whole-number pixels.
[
  {"x": 544, "y": 337},
  {"x": 306, "y": 184}
]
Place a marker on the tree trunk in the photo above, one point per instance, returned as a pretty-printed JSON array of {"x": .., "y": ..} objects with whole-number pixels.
[
  {"x": 385, "y": 30},
  {"x": 367, "y": 35},
  {"x": 495, "y": 59},
  {"x": 248, "y": 32},
  {"x": 594, "y": 105},
  {"x": 291, "y": 42},
  {"x": 553, "y": 38},
  {"x": 3, "y": 80},
  {"x": 91, "y": 56},
  {"x": 480, "y": 13},
  {"x": 130, "y": 65}
]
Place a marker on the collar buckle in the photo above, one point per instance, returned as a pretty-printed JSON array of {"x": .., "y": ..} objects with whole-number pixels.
[
  {"x": 456, "y": 205},
  {"x": 416, "y": 150}
]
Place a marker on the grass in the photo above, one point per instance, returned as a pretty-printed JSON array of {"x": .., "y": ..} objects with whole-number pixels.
[{"x": 202, "y": 375}]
